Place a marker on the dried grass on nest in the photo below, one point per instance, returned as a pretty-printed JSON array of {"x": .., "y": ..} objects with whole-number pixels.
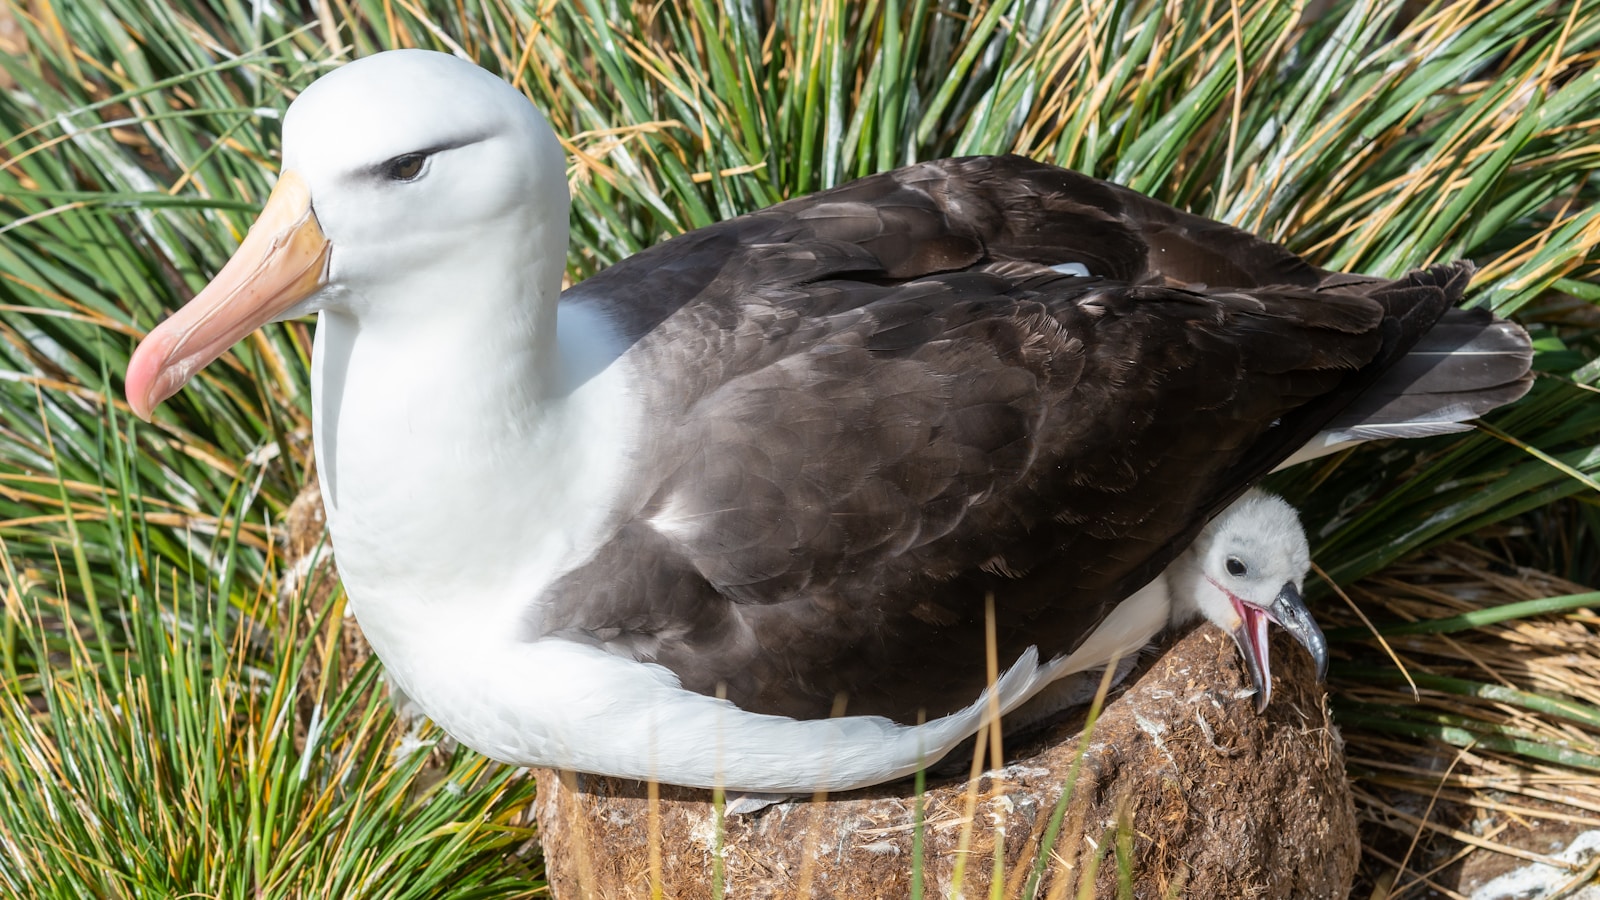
[{"x": 1468, "y": 800}]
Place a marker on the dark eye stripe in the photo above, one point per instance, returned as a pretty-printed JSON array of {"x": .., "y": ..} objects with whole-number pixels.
[
  {"x": 411, "y": 166},
  {"x": 405, "y": 168}
]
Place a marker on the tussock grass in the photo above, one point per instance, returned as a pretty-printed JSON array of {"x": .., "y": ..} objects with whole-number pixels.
[
  {"x": 139, "y": 568},
  {"x": 185, "y": 747},
  {"x": 1504, "y": 720}
]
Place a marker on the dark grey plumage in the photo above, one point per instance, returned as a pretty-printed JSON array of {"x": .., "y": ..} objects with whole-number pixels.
[
  {"x": 879, "y": 404},
  {"x": 1456, "y": 371}
]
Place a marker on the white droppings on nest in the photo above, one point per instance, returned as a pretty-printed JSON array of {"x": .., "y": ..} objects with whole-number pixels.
[
  {"x": 881, "y": 848},
  {"x": 837, "y": 849},
  {"x": 1000, "y": 815},
  {"x": 704, "y": 831},
  {"x": 1156, "y": 730},
  {"x": 1211, "y": 734},
  {"x": 1029, "y": 801}
]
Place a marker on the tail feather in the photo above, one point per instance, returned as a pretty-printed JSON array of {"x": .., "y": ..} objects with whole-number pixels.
[{"x": 1467, "y": 365}]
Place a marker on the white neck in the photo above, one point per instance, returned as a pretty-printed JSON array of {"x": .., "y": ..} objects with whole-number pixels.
[{"x": 486, "y": 408}]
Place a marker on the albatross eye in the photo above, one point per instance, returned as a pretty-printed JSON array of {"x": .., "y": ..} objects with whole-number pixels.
[
  {"x": 1236, "y": 567},
  {"x": 405, "y": 168}
]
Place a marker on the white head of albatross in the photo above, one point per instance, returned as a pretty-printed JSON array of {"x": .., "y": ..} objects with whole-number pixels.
[
  {"x": 661, "y": 525},
  {"x": 440, "y": 208}
]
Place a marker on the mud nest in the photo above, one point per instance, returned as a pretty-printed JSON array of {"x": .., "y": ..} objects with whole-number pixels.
[{"x": 1184, "y": 790}]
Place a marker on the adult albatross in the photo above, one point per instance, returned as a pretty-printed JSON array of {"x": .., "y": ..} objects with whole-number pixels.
[{"x": 663, "y": 524}]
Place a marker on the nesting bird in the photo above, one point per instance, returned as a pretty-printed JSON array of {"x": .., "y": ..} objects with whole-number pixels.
[{"x": 667, "y": 524}]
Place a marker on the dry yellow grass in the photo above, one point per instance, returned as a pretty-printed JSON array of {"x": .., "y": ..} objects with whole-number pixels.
[{"x": 1441, "y": 816}]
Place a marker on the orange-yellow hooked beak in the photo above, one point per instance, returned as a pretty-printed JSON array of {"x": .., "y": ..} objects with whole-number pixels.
[{"x": 283, "y": 260}]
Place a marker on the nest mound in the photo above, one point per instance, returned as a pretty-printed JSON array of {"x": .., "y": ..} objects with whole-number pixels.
[{"x": 1183, "y": 788}]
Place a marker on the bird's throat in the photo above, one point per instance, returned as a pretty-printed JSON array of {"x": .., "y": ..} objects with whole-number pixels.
[{"x": 410, "y": 429}]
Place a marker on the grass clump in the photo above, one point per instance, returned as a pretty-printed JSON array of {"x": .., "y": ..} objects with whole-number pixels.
[{"x": 188, "y": 746}]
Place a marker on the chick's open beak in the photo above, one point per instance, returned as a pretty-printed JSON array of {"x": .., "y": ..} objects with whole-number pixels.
[{"x": 1289, "y": 610}]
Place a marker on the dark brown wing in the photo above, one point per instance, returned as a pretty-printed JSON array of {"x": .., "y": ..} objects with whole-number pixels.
[{"x": 875, "y": 406}]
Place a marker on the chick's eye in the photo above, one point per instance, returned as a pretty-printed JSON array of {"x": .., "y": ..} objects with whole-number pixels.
[
  {"x": 404, "y": 168},
  {"x": 1236, "y": 566}
]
